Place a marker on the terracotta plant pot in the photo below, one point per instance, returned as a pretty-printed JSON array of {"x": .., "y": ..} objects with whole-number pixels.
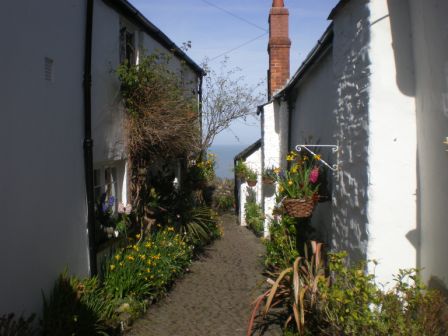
[
  {"x": 299, "y": 208},
  {"x": 252, "y": 183}
]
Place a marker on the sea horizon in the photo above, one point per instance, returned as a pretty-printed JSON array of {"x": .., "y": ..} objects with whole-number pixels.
[{"x": 224, "y": 158}]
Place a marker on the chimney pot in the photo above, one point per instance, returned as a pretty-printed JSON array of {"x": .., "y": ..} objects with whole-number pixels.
[{"x": 278, "y": 3}]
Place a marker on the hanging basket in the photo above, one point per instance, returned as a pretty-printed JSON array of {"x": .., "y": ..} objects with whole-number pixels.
[
  {"x": 268, "y": 180},
  {"x": 251, "y": 183},
  {"x": 299, "y": 208}
]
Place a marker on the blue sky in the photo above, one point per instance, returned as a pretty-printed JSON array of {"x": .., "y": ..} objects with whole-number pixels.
[{"x": 214, "y": 32}]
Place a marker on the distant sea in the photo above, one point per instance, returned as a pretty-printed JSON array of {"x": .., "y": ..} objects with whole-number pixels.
[{"x": 225, "y": 155}]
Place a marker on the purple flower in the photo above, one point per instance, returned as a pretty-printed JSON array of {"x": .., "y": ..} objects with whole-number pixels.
[
  {"x": 111, "y": 201},
  {"x": 314, "y": 175}
]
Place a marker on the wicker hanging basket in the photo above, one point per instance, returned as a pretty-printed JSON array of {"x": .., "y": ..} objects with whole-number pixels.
[
  {"x": 251, "y": 183},
  {"x": 299, "y": 208}
]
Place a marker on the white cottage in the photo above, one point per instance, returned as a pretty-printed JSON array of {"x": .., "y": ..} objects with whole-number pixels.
[
  {"x": 376, "y": 86},
  {"x": 62, "y": 141}
]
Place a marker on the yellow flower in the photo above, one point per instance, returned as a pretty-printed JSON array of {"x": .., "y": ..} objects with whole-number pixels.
[
  {"x": 117, "y": 257},
  {"x": 317, "y": 157},
  {"x": 148, "y": 270},
  {"x": 148, "y": 245},
  {"x": 142, "y": 256},
  {"x": 157, "y": 257},
  {"x": 112, "y": 267},
  {"x": 130, "y": 258},
  {"x": 289, "y": 158},
  {"x": 281, "y": 189},
  {"x": 121, "y": 264},
  {"x": 135, "y": 247},
  {"x": 294, "y": 168},
  {"x": 138, "y": 236},
  {"x": 290, "y": 182},
  {"x": 170, "y": 228},
  {"x": 277, "y": 170}
]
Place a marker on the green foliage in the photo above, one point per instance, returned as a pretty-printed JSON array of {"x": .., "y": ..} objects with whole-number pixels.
[
  {"x": 66, "y": 313},
  {"x": 347, "y": 301},
  {"x": 224, "y": 194},
  {"x": 144, "y": 269},
  {"x": 162, "y": 116},
  {"x": 11, "y": 326},
  {"x": 240, "y": 169},
  {"x": 254, "y": 217},
  {"x": 251, "y": 175},
  {"x": 207, "y": 167},
  {"x": 280, "y": 247}
]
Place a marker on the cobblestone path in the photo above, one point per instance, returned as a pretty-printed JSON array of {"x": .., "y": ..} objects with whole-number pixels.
[{"x": 215, "y": 297}]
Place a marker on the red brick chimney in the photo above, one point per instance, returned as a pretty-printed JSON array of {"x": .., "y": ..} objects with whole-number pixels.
[{"x": 279, "y": 46}]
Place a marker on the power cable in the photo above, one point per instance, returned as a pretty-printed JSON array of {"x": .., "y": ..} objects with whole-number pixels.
[
  {"x": 238, "y": 47},
  {"x": 234, "y": 15}
]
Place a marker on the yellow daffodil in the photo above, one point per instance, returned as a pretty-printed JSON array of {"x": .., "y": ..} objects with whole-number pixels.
[
  {"x": 117, "y": 257},
  {"x": 138, "y": 236},
  {"x": 294, "y": 168},
  {"x": 112, "y": 267},
  {"x": 281, "y": 189},
  {"x": 130, "y": 258},
  {"x": 170, "y": 228},
  {"x": 290, "y": 182},
  {"x": 148, "y": 245},
  {"x": 277, "y": 170}
]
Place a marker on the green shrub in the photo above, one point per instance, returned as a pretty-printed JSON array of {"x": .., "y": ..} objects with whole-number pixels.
[
  {"x": 143, "y": 270},
  {"x": 349, "y": 302},
  {"x": 254, "y": 217},
  {"x": 280, "y": 246}
]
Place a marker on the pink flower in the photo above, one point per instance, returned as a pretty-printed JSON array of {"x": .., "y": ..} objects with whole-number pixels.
[{"x": 314, "y": 175}]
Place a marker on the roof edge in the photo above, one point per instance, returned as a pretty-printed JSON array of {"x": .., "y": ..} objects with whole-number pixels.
[
  {"x": 336, "y": 9},
  {"x": 314, "y": 54},
  {"x": 248, "y": 151},
  {"x": 129, "y": 10}
]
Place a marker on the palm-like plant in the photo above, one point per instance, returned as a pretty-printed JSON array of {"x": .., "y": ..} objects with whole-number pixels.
[{"x": 295, "y": 289}]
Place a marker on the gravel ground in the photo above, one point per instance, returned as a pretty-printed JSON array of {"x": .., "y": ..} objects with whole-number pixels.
[{"x": 215, "y": 297}]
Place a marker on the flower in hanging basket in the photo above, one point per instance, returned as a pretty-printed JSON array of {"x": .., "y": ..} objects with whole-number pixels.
[
  {"x": 251, "y": 177},
  {"x": 298, "y": 186}
]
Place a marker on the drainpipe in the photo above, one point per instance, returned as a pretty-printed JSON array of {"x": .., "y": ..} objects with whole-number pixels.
[{"x": 88, "y": 142}]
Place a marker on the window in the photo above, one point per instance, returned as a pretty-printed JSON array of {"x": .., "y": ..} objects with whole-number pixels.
[
  {"x": 106, "y": 187},
  {"x": 127, "y": 46}
]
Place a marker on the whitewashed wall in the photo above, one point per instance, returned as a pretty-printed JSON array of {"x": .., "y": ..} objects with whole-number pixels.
[
  {"x": 430, "y": 46},
  {"x": 274, "y": 147},
  {"x": 392, "y": 151},
  {"x": 42, "y": 199},
  {"x": 253, "y": 161}
]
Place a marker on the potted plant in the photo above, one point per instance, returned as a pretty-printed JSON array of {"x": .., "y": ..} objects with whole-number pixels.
[
  {"x": 269, "y": 176},
  {"x": 251, "y": 177},
  {"x": 298, "y": 186},
  {"x": 240, "y": 170}
]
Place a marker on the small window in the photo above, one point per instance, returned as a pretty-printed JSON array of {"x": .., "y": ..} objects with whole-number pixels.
[
  {"x": 106, "y": 187},
  {"x": 48, "y": 69},
  {"x": 127, "y": 46}
]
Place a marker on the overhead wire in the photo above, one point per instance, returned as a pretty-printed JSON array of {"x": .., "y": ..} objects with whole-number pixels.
[
  {"x": 234, "y": 15},
  {"x": 238, "y": 47}
]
